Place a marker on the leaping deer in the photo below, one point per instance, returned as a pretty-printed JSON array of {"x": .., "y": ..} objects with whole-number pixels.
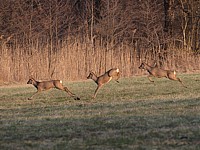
[
  {"x": 46, "y": 85},
  {"x": 103, "y": 79},
  {"x": 159, "y": 73}
]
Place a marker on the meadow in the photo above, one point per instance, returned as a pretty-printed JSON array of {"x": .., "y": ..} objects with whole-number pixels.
[{"x": 132, "y": 114}]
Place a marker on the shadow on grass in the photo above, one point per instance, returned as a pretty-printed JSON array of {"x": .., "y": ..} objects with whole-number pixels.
[{"x": 101, "y": 126}]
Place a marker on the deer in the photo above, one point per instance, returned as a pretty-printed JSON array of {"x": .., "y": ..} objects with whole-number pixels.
[
  {"x": 103, "y": 79},
  {"x": 46, "y": 85},
  {"x": 159, "y": 73}
]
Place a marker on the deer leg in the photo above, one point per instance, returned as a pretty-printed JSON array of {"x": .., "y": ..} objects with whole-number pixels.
[
  {"x": 95, "y": 93},
  {"x": 177, "y": 79},
  {"x": 30, "y": 98},
  {"x": 71, "y": 94},
  {"x": 118, "y": 75},
  {"x": 149, "y": 77},
  {"x": 181, "y": 82}
]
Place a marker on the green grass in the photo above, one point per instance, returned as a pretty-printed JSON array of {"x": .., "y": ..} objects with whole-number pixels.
[{"x": 134, "y": 114}]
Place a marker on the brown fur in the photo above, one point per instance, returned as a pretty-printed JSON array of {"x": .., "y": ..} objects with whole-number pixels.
[
  {"x": 159, "y": 73},
  {"x": 46, "y": 85},
  {"x": 103, "y": 79}
]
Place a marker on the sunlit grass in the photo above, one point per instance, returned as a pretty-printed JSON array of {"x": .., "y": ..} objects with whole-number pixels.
[{"x": 132, "y": 114}]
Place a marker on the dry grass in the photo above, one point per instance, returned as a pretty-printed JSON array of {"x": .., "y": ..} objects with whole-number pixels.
[
  {"x": 133, "y": 114},
  {"x": 73, "y": 61}
]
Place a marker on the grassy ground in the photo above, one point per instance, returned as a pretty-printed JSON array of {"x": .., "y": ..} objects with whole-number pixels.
[{"x": 133, "y": 114}]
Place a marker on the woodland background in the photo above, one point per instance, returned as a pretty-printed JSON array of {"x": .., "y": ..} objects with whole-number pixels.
[{"x": 65, "y": 39}]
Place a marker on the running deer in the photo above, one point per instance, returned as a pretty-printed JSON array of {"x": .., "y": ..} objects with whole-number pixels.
[
  {"x": 103, "y": 79},
  {"x": 46, "y": 85},
  {"x": 159, "y": 73}
]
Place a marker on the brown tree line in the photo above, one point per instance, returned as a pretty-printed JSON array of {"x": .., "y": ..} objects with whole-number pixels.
[{"x": 66, "y": 38}]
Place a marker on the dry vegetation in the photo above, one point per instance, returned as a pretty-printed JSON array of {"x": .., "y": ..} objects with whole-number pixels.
[
  {"x": 65, "y": 39},
  {"x": 73, "y": 64}
]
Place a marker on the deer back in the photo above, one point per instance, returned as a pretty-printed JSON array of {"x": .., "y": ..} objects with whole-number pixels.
[
  {"x": 113, "y": 72},
  {"x": 51, "y": 84},
  {"x": 58, "y": 84},
  {"x": 171, "y": 74},
  {"x": 92, "y": 76},
  {"x": 105, "y": 78},
  {"x": 157, "y": 72}
]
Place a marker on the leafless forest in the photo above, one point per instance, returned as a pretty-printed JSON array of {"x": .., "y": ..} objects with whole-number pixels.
[{"x": 65, "y": 39}]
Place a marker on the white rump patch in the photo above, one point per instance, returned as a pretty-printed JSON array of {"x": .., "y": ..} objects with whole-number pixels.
[
  {"x": 117, "y": 70},
  {"x": 174, "y": 72},
  {"x": 60, "y": 81}
]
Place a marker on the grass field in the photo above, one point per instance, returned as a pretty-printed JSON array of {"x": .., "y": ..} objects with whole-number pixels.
[{"x": 134, "y": 114}]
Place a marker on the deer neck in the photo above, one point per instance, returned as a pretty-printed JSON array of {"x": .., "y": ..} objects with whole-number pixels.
[
  {"x": 35, "y": 83},
  {"x": 94, "y": 77},
  {"x": 148, "y": 68}
]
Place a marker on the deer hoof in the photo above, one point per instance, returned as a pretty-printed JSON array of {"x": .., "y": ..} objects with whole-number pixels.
[
  {"x": 29, "y": 98},
  {"x": 77, "y": 98}
]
